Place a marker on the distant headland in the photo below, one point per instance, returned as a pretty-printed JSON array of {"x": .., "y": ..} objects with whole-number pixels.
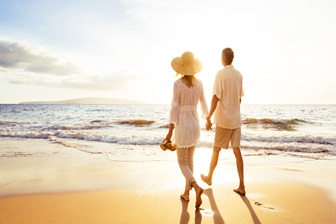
[{"x": 90, "y": 100}]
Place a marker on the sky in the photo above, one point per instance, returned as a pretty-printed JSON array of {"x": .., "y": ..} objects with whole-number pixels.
[{"x": 66, "y": 49}]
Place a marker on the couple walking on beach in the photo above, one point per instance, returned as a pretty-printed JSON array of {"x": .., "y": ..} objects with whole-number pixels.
[{"x": 184, "y": 122}]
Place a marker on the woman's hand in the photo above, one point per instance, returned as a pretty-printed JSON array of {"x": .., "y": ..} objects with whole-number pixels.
[
  {"x": 170, "y": 132},
  {"x": 169, "y": 135}
]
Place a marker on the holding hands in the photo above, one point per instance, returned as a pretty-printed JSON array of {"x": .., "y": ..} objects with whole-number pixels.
[{"x": 208, "y": 124}]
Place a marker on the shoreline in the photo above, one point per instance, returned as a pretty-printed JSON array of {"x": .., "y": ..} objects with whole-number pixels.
[{"x": 74, "y": 187}]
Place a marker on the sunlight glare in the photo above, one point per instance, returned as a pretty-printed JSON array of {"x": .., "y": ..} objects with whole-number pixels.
[
  {"x": 225, "y": 170},
  {"x": 202, "y": 158}
]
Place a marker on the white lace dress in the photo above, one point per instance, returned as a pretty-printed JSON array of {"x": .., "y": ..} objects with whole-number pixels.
[{"x": 183, "y": 113}]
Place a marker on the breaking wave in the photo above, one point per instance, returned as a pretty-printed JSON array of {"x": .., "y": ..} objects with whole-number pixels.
[
  {"x": 275, "y": 129},
  {"x": 137, "y": 122},
  {"x": 277, "y": 124}
]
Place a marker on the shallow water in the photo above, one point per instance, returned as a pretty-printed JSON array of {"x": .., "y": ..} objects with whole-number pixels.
[{"x": 134, "y": 132}]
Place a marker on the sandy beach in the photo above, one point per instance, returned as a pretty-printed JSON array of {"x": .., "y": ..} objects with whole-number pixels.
[{"x": 74, "y": 188}]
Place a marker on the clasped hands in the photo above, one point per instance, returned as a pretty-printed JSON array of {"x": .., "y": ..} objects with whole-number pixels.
[{"x": 208, "y": 124}]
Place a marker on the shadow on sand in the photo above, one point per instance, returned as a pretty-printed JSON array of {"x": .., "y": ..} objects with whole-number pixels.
[
  {"x": 217, "y": 217},
  {"x": 185, "y": 216},
  {"x": 214, "y": 212},
  {"x": 251, "y": 210}
]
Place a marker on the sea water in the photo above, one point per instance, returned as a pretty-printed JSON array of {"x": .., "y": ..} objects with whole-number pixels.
[{"x": 134, "y": 132}]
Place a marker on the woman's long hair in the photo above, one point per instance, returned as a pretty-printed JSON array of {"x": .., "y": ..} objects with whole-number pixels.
[{"x": 188, "y": 80}]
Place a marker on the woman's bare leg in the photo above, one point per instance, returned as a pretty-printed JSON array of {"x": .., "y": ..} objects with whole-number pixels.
[{"x": 199, "y": 192}]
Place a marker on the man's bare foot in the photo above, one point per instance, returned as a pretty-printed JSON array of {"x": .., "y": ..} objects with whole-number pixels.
[
  {"x": 206, "y": 179},
  {"x": 240, "y": 191},
  {"x": 199, "y": 192}
]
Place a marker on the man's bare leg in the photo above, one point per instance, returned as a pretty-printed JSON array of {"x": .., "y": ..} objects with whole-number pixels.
[
  {"x": 240, "y": 168},
  {"x": 214, "y": 160}
]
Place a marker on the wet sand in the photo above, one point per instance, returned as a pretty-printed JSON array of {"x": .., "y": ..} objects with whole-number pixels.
[{"x": 78, "y": 189}]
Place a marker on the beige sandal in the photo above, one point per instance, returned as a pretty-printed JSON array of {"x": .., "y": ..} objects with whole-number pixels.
[{"x": 167, "y": 145}]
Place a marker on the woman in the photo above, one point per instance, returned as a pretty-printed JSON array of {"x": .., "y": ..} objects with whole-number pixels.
[{"x": 188, "y": 92}]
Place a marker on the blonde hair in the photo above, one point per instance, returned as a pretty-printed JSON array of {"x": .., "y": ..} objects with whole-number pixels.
[{"x": 188, "y": 80}]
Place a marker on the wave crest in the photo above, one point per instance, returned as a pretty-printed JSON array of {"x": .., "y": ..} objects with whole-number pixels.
[
  {"x": 276, "y": 124},
  {"x": 137, "y": 122}
]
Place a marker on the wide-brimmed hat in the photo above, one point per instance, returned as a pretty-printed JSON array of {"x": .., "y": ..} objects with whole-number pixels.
[{"x": 187, "y": 64}]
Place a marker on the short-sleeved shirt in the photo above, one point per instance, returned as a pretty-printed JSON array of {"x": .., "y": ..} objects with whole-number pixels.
[
  {"x": 183, "y": 112},
  {"x": 228, "y": 87}
]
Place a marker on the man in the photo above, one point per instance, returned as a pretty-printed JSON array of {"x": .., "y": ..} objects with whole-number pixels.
[{"x": 227, "y": 93}]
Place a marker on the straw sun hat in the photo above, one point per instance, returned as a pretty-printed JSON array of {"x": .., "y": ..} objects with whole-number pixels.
[{"x": 187, "y": 64}]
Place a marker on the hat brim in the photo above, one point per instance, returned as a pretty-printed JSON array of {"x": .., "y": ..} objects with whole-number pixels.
[{"x": 188, "y": 70}]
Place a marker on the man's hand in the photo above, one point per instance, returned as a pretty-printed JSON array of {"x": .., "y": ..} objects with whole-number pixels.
[
  {"x": 214, "y": 102},
  {"x": 208, "y": 125}
]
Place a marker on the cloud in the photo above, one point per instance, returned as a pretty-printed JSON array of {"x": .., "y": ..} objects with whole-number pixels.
[
  {"x": 119, "y": 80},
  {"x": 23, "y": 63},
  {"x": 19, "y": 56}
]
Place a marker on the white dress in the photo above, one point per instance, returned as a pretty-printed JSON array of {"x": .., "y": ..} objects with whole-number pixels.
[{"x": 183, "y": 113}]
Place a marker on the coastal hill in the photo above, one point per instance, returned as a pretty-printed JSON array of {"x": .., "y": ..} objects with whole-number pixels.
[{"x": 90, "y": 100}]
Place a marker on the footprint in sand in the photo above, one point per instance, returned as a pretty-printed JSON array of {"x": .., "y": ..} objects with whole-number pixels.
[
  {"x": 206, "y": 212},
  {"x": 262, "y": 205}
]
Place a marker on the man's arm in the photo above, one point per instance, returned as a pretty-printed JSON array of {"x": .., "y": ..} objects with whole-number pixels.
[{"x": 214, "y": 102}]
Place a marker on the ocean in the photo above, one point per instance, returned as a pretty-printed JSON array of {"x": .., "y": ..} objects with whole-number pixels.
[{"x": 134, "y": 132}]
